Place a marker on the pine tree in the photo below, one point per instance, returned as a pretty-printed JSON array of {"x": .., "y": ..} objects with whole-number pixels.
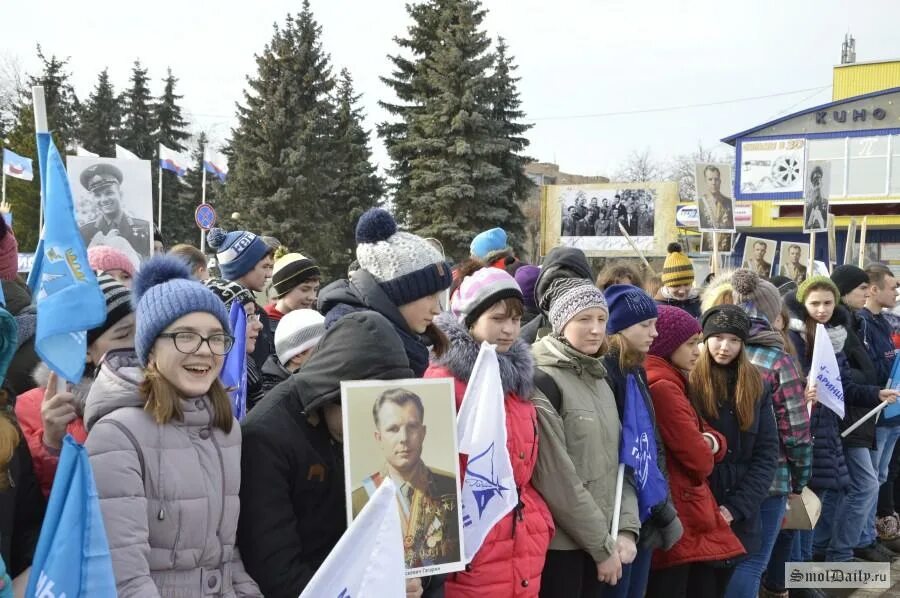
[
  {"x": 138, "y": 125},
  {"x": 62, "y": 117},
  {"x": 101, "y": 118},
  {"x": 178, "y": 219},
  {"x": 448, "y": 155},
  {"x": 506, "y": 114},
  {"x": 282, "y": 151},
  {"x": 358, "y": 185}
]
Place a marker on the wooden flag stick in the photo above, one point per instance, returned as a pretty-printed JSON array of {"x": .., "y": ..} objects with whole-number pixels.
[
  {"x": 812, "y": 255},
  {"x": 636, "y": 249},
  {"x": 851, "y": 238},
  {"x": 862, "y": 242},
  {"x": 715, "y": 254}
]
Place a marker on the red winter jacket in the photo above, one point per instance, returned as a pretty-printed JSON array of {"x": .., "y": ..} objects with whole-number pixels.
[
  {"x": 45, "y": 459},
  {"x": 510, "y": 561},
  {"x": 706, "y": 535}
]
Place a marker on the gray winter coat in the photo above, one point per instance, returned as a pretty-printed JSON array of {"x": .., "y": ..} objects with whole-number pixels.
[{"x": 171, "y": 506}]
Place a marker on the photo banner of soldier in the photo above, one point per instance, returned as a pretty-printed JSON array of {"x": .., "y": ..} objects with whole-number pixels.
[
  {"x": 592, "y": 218},
  {"x": 114, "y": 203},
  {"x": 815, "y": 196},
  {"x": 715, "y": 201},
  {"x": 406, "y": 430}
]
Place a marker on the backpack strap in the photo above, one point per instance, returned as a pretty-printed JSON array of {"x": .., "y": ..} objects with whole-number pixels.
[
  {"x": 547, "y": 385},
  {"x": 134, "y": 443}
]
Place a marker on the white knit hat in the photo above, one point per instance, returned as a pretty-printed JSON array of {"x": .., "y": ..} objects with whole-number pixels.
[
  {"x": 297, "y": 332},
  {"x": 406, "y": 266}
]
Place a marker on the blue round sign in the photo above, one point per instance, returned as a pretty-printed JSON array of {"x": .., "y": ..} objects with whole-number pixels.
[{"x": 205, "y": 216}]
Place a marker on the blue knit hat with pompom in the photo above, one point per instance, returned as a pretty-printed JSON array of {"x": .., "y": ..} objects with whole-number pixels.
[
  {"x": 237, "y": 252},
  {"x": 406, "y": 266},
  {"x": 163, "y": 292}
]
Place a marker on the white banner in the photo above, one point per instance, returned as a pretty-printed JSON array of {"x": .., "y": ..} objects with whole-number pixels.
[{"x": 772, "y": 166}]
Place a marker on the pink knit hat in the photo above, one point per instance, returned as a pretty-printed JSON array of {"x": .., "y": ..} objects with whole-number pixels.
[
  {"x": 103, "y": 259},
  {"x": 675, "y": 326},
  {"x": 9, "y": 252}
]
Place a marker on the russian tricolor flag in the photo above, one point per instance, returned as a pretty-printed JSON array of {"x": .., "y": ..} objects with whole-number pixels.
[
  {"x": 174, "y": 161},
  {"x": 217, "y": 164}
]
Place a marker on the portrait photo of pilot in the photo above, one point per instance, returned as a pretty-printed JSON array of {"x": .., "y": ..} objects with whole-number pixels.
[{"x": 405, "y": 434}]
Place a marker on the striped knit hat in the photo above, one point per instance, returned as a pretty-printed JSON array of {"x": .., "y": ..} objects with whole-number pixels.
[
  {"x": 479, "y": 291},
  {"x": 677, "y": 269},
  {"x": 291, "y": 270},
  {"x": 118, "y": 305}
]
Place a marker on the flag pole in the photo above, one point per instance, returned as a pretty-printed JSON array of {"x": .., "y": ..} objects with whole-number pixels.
[
  {"x": 862, "y": 241},
  {"x": 812, "y": 255},
  {"x": 41, "y": 126},
  {"x": 203, "y": 200},
  {"x": 159, "y": 195},
  {"x": 617, "y": 508},
  {"x": 864, "y": 419}
]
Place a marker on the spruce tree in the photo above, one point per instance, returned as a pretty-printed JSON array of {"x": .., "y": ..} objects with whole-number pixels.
[
  {"x": 138, "y": 126},
  {"x": 177, "y": 219},
  {"x": 178, "y": 214},
  {"x": 450, "y": 148},
  {"x": 62, "y": 117},
  {"x": 358, "y": 186},
  {"x": 506, "y": 115},
  {"x": 282, "y": 150},
  {"x": 101, "y": 118}
]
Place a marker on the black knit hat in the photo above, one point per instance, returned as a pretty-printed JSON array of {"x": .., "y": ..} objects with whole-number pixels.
[
  {"x": 291, "y": 270},
  {"x": 848, "y": 277},
  {"x": 118, "y": 305},
  {"x": 725, "y": 319}
]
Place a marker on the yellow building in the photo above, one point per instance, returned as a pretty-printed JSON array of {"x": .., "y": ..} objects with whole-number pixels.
[{"x": 855, "y": 140}]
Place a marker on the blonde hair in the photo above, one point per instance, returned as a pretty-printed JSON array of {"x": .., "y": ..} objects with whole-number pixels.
[
  {"x": 163, "y": 402},
  {"x": 718, "y": 291},
  {"x": 629, "y": 357},
  {"x": 652, "y": 284},
  {"x": 9, "y": 440},
  {"x": 709, "y": 383}
]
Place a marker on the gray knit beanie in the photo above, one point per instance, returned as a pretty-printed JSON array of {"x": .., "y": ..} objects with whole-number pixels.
[{"x": 569, "y": 297}]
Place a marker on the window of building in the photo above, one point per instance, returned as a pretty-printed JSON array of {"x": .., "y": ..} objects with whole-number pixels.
[
  {"x": 835, "y": 151},
  {"x": 895, "y": 164},
  {"x": 867, "y": 170}
]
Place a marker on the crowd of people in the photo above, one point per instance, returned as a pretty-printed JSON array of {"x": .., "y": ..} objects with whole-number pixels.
[
  {"x": 197, "y": 503},
  {"x": 633, "y": 209}
]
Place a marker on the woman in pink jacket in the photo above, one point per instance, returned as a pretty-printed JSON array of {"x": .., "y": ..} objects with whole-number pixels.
[
  {"x": 165, "y": 447},
  {"x": 488, "y": 306}
]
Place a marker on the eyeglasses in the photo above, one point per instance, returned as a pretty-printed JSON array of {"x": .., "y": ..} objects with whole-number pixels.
[{"x": 189, "y": 342}]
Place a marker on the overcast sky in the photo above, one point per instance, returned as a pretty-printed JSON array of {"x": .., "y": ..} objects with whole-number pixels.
[{"x": 576, "y": 58}]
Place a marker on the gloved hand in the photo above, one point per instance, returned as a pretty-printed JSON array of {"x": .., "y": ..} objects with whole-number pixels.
[{"x": 663, "y": 529}]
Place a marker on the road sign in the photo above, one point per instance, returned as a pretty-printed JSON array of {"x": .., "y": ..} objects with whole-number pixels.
[{"x": 205, "y": 216}]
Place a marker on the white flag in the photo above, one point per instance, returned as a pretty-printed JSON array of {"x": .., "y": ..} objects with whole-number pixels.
[
  {"x": 825, "y": 374},
  {"x": 367, "y": 561},
  {"x": 489, "y": 490},
  {"x": 124, "y": 154},
  {"x": 80, "y": 151}
]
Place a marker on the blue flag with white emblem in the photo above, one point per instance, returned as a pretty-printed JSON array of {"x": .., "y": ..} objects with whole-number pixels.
[
  {"x": 489, "y": 486},
  {"x": 69, "y": 300},
  {"x": 234, "y": 371},
  {"x": 72, "y": 556},
  {"x": 638, "y": 450}
]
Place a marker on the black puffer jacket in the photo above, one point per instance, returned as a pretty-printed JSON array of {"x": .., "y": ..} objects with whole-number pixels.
[
  {"x": 292, "y": 470},
  {"x": 560, "y": 262},
  {"x": 363, "y": 293},
  {"x": 21, "y": 512}
]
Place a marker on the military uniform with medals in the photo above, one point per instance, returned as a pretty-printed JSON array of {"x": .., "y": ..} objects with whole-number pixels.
[
  {"x": 429, "y": 514},
  {"x": 133, "y": 230}
]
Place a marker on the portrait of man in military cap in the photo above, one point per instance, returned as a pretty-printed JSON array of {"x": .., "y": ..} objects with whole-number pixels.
[
  {"x": 106, "y": 218},
  {"x": 427, "y": 494}
]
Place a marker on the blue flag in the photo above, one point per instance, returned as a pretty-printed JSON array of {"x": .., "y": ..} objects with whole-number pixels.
[
  {"x": 234, "y": 372},
  {"x": 72, "y": 556},
  {"x": 69, "y": 300},
  {"x": 639, "y": 450}
]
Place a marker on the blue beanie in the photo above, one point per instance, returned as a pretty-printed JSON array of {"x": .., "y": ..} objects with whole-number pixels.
[
  {"x": 164, "y": 291},
  {"x": 628, "y": 305},
  {"x": 488, "y": 242},
  {"x": 238, "y": 252}
]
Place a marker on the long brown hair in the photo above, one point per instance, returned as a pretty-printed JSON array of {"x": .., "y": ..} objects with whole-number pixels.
[
  {"x": 628, "y": 357},
  {"x": 709, "y": 387},
  {"x": 163, "y": 401},
  {"x": 9, "y": 440}
]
